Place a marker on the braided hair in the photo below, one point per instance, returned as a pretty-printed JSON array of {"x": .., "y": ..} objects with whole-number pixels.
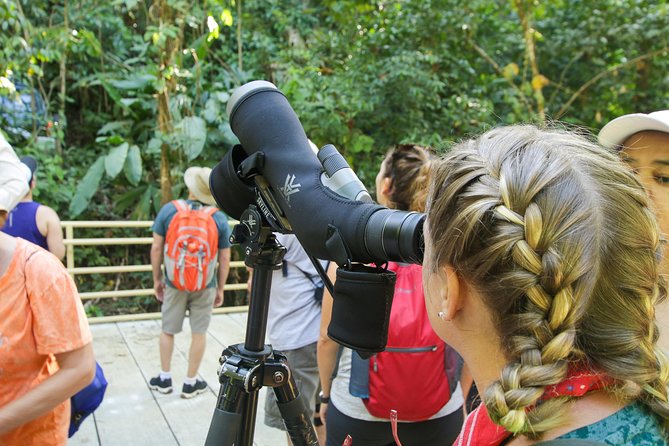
[
  {"x": 408, "y": 166},
  {"x": 556, "y": 235}
]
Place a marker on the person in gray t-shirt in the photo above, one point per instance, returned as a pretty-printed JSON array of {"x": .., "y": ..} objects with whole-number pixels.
[{"x": 293, "y": 324}]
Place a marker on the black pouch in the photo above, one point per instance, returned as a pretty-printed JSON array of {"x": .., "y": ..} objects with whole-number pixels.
[{"x": 361, "y": 306}]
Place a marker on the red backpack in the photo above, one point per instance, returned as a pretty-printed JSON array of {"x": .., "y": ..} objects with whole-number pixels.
[
  {"x": 417, "y": 372},
  {"x": 191, "y": 246}
]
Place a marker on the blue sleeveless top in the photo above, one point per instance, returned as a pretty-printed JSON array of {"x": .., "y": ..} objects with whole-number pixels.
[{"x": 21, "y": 223}]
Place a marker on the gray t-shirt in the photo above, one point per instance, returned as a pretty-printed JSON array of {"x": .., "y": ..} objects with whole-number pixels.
[{"x": 294, "y": 315}]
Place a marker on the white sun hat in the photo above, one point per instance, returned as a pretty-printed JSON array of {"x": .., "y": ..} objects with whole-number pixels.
[
  {"x": 617, "y": 131},
  {"x": 14, "y": 177},
  {"x": 197, "y": 182}
]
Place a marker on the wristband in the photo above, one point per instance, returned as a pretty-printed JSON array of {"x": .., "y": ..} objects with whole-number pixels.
[{"x": 324, "y": 399}]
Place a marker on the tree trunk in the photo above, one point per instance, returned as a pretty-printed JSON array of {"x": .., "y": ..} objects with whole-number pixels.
[
  {"x": 165, "y": 14},
  {"x": 60, "y": 130},
  {"x": 239, "y": 34},
  {"x": 524, "y": 9}
]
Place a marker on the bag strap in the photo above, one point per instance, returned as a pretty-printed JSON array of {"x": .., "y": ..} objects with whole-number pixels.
[
  {"x": 210, "y": 210},
  {"x": 570, "y": 442},
  {"x": 284, "y": 270},
  {"x": 180, "y": 205}
]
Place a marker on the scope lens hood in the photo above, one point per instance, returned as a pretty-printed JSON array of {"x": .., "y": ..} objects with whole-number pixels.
[{"x": 245, "y": 91}]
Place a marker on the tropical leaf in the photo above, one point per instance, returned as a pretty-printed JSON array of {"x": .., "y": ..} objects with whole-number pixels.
[
  {"x": 129, "y": 198},
  {"x": 133, "y": 165},
  {"x": 192, "y": 132},
  {"x": 115, "y": 160},
  {"x": 112, "y": 126},
  {"x": 87, "y": 188},
  {"x": 134, "y": 82},
  {"x": 143, "y": 208}
]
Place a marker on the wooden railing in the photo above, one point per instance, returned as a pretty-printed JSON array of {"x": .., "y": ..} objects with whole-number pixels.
[{"x": 71, "y": 242}]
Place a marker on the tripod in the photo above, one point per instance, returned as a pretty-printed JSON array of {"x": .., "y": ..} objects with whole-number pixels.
[{"x": 247, "y": 367}]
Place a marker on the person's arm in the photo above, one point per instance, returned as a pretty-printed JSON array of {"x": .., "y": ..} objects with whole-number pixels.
[
  {"x": 223, "y": 270},
  {"x": 48, "y": 224},
  {"x": 77, "y": 370},
  {"x": 326, "y": 348},
  {"x": 156, "y": 262}
]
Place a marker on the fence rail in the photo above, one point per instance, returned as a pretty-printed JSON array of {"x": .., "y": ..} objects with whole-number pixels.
[{"x": 70, "y": 261}]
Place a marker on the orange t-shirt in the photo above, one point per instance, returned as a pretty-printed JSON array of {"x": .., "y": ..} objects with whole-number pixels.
[{"x": 40, "y": 315}]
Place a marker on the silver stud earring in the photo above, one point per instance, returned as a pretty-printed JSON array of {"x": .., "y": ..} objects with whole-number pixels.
[{"x": 441, "y": 315}]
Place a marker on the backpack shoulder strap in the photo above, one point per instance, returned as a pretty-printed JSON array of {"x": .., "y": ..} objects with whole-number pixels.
[
  {"x": 210, "y": 210},
  {"x": 311, "y": 279},
  {"x": 180, "y": 205}
]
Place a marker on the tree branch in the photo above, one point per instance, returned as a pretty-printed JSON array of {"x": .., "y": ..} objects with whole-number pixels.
[
  {"x": 499, "y": 71},
  {"x": 562, "y": 75},
  {"x": 528, "y": 36},
  {"x": 601, "y": 74}
]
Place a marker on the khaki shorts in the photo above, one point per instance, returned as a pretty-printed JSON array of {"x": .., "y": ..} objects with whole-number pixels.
[{"x": 199, "y": 305}]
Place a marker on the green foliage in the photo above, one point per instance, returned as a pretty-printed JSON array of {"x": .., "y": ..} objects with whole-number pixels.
[
  {"x": 362, "y": 75},
  {"x": 88, "y": 187}
]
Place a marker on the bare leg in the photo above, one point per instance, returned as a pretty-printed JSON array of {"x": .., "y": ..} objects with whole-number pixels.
[
  {"x": 197, "y": 345},
  {"x": 166, "y": 349}
]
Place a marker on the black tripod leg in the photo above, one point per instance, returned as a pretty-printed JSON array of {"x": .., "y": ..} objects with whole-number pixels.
[
  {"x": 296, "y": 417},
  {"x": 223, "y": 429},
  {"x": 227, "y": 417}
]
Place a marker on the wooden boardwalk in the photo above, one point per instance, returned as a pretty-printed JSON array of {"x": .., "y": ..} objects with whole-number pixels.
[{"x": 132, "y": 414}]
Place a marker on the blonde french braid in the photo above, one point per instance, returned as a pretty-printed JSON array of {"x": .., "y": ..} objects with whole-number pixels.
[{"x": 533, "y": 219}]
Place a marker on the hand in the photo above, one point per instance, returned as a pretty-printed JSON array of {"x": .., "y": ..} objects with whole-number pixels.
[
  {"x": 159, "y": 290},
  {"x": 324, "y": 412},
  {"x": 218, "y": 300}
]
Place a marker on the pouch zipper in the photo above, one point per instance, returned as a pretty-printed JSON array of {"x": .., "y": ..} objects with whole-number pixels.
[{"x": 429, "y": 348}]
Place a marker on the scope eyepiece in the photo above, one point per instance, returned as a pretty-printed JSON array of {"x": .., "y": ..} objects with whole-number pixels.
[{"x": 339, "y": 177}]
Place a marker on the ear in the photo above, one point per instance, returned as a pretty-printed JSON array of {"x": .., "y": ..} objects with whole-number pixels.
[
  {"x": 453, "y": 300},
  {"x": 386, "y": 186}
]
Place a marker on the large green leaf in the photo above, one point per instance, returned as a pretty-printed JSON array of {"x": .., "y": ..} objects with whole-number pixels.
[
  {"x": 228, "y": 135},
  {"x": 134, "y": 82},
  {"x": 192, "y": 134},
  {"x": 143, "y": 208},
  {"x": 133, "y": 165},
  {"x": 87, "y": 188},
  {"x": 109, "y": 127},
  {"x": 115, "y": 160},
  {"x": 123, "y": 201}
]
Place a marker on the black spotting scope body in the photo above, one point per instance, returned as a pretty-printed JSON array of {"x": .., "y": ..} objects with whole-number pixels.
[{"x": 322, "y": 220}]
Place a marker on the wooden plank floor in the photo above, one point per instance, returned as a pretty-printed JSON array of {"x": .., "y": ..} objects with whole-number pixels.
[{"x": 132, "y": 414}]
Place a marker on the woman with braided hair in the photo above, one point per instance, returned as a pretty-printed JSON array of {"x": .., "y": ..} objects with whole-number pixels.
[{"x": 542, "y": 269}]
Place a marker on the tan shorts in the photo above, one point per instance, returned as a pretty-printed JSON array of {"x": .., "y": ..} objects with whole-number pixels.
[{"x": 199, "y": 305}]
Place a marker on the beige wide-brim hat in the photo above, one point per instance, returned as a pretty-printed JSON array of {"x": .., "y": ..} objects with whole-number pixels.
[
  {"x": 197, "y": 182},
  {"x": 617, "y": 131}
]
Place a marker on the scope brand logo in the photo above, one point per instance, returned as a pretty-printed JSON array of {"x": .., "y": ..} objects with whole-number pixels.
[
  {"x": 290, "y": 187},
  {"x": 250, "y": 223}
]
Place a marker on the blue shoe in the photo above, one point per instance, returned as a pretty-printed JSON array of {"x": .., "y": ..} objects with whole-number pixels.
[
  {"x": 189, "y": 391},
  {"x": 161, "y": 385}
]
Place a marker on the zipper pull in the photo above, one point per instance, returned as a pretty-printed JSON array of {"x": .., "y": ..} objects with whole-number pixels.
[{"x": 376, "y": 365}]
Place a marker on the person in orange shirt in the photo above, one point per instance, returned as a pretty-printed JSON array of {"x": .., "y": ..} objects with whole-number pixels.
[{"x": 46, "y": 354}]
